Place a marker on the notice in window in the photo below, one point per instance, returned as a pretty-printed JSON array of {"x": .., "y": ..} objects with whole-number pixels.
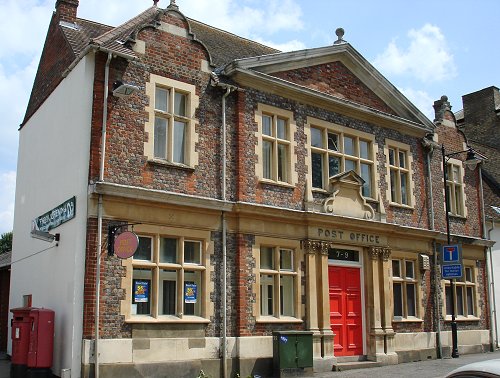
[
  {"x": 190, "y": 293},
  {"x": 141, "y": 291}
]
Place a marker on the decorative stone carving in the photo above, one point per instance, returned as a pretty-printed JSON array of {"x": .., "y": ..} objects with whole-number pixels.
[
  {"x": 380, "y": 252},
  {"x": 346, "y": 198}
]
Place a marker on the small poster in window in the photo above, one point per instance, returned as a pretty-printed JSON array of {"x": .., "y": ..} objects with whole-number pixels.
[
  {"x": 141, "y": 291},
  {"x": 190, "y": 293}
]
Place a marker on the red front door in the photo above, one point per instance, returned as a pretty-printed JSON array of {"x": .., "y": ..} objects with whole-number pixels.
[{"x": 346, "y": 317}]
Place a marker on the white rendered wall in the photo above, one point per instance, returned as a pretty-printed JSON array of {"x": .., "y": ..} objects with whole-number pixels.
[
  {"x": 495, "y": 254},
  {"x": 53, "y": 167}
]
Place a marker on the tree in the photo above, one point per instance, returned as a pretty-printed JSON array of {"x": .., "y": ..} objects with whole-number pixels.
[{"x": 6, "y": 242}]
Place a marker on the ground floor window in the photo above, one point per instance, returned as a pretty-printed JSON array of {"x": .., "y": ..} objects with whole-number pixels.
[
  {"x": 277, "y": 281},
  {"x": 168, "y": 277},
  {"x": 465, "y": 294},
  {"x": 404, "y": 284}
]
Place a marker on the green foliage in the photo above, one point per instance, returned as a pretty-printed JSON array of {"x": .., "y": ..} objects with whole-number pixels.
[{"x": 6, "y": 242}]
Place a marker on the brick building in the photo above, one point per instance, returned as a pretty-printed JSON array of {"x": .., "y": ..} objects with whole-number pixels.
[
  {"x": 269, "y": 191},
  {"x": 480, "y": 121}
]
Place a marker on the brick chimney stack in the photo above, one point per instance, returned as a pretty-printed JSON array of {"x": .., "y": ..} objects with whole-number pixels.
[
  {"x": 66, "y": 10},
  {"x": 482, "y": 116}
]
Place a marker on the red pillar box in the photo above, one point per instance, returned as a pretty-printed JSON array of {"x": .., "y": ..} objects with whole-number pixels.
[
  {"x": 20, "y": 335},
  {"x": 41, "y": 345}
]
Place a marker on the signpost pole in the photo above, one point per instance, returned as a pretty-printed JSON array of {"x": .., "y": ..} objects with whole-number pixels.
[{"x": 454, "y": 336}]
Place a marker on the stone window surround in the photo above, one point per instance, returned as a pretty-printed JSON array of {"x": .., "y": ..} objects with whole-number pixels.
[
  {"x": 272, "y": 111},
  {"x": 297, "y": 259},
  {"x": 389, "y": 143},
  {"x": 191, "y": 155},
  {"x": 477, "y": 309},
  {"x": 207, "y": 307},
  {"x": 459, "y": 164},
  {"x": 315, "y": 122},
  {"x": 419, "y": 308}
]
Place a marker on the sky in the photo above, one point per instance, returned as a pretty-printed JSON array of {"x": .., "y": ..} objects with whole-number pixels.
[{"x": 426, "y": 48}]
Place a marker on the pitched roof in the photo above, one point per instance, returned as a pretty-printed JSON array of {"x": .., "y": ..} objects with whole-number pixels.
[
  {"x": 5, "y": 259},
  {"x": 222, "y": 46},
  {"x": 225, "y": 47}
]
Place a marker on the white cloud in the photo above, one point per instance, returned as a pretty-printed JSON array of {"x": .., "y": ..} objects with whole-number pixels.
[
  {"x": 7, "y": 193},
  {"x": 29, "y": 19},
  {"x": 287, "y": 46},
  {"x": 421, "y": 99},
  {"x": 427, "y": 57}
]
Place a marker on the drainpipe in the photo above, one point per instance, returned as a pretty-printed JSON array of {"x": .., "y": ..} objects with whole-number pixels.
[
  {"x": 488, "y": 262},
  {"x": 99, "y": 217},
  {"x": 493, "y": 311},
  {"x": 229, "y": 89},
  {"x": 436, "y": 276}
]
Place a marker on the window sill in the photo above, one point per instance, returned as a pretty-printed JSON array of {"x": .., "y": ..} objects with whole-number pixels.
[
  {"x": 457, "y": 216},
  {"x": 460, "y": 318},
  {"x": 272, "y": 319},
  {"x": 407, "y": 320},
  {"x": 401, "y": 206},
  {"x": 169, "y": 164},
  {"x": 136, "y": 319},
  {"x": 276, "y": 183}
]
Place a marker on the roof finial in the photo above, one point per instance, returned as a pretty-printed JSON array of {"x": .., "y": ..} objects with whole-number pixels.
[
  {"x": 340, "y": 34},
  {"x": 155, "y": 2},
  {"x": 173, "y": 5}
]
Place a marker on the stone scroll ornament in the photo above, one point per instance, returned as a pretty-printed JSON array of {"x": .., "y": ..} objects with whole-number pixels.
[{"x": 346, "y": 197}]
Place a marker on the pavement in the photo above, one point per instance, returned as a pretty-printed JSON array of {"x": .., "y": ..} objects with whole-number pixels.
[
  {"x": 421, "y": 369},
  {"x": 4, "y": 366}
]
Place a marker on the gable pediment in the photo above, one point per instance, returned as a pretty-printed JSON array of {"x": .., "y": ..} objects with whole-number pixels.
[{"x": 336, "y": 72}]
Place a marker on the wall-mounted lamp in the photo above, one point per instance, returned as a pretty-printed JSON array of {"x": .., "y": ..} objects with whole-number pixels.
[
  {"x": 121, "y": 89},
  {"x": 45, "y": 236}
]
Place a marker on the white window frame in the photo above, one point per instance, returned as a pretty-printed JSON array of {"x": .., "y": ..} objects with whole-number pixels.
[
  {"x": 455, "y": 182},
  {"x": 342, "y": 133},
  {"x": 290, "y": 176},
  {"x": 463, "y": 284},
  {"x": 190, "y": 135},
  {"x": 203, "y": 307},
  {"x": 405, "y": 280},
  {"x": 277, "y": 274},
  {"x": 398, "y": 170}
]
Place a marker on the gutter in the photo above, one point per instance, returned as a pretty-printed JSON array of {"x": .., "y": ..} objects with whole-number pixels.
[
  {"x": 493, "y": 308},
  {"x": 94, "y": 47}
]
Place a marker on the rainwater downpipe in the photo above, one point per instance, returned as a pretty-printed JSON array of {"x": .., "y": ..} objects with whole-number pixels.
[
  {"x": 436, "y": 277},
  {"x": 99, "y": 217},
  {"x": 229, "y": 89},
  {"x": 493, "y": 311},
  {"x": 488, "y": 263}
]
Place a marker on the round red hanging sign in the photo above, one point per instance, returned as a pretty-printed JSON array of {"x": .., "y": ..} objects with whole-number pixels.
[{"x": 126, "y": 244}]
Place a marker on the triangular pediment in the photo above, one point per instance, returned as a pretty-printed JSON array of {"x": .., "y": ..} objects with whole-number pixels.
[{"x": 336, "y": 72}]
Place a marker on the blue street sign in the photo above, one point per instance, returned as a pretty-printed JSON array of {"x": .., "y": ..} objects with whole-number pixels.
[
  {"x": 451, "y": 254},
  {"x": 451, "y": 271}
]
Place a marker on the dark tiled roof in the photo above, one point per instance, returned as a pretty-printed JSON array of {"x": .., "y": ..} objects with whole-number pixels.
[
  {"x": 491, "y": 177},
  {"x": 5, "y": 259},
  {"x": 225, "y": 47}
]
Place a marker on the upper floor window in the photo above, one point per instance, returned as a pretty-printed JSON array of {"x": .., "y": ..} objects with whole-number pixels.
[
  {"x": 275, "y": 145},
  {"x": 168, "y": 278},
  {"x": 465, "y": 294},
  {"x": 455, "y": 187},
  {"x": 336, "y": 150},
  {"x": 399, "y": 170},
  {"x": 171, "y": 120},
  {"x": 404, "y": 283},
  {"x": 171, "y": 126}
]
